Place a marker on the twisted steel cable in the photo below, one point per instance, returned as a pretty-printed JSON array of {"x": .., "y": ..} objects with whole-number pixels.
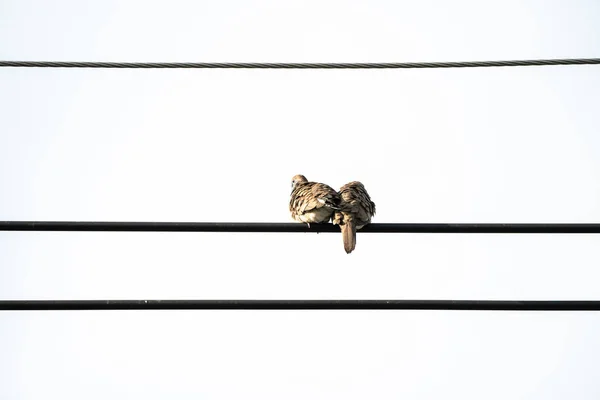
[{"x": 233, "y": 65}]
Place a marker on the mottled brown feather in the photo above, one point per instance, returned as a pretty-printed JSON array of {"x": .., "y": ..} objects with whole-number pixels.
[
  {"x": 357, "y": 209},
  {"x": 312, "y": 201}
]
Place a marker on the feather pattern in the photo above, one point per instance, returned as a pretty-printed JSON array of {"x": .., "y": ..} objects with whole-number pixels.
[
  {"x": 312, "y": 201},
  {"x": 356, "y": 211}
]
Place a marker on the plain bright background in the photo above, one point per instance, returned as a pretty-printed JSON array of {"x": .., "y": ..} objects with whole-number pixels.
[{"x": 458, "y": 145}]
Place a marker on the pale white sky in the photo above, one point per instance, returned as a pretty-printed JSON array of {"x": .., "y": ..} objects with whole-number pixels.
[{"x": 468, "y": 145}]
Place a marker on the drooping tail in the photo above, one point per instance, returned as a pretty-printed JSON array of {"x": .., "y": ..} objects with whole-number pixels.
[{"x": 349, "y": 234}]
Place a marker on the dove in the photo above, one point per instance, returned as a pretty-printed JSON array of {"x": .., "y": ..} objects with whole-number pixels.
[
  {"x": 356, "y": 211},
  {"x": 312, "y": 201}
]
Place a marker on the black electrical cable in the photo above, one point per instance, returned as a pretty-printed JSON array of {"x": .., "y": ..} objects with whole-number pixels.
[
  {"x": 475, "y": 305},
  {"x": 87, "y": 226}
]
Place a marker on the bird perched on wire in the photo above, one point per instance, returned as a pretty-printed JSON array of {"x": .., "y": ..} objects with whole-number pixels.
[
  {"x": 312, "y": 201},
  {"x": 356, "y": 212}
]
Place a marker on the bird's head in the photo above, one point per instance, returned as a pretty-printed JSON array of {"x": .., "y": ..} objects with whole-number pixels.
[{"x": 298, "y": 179}]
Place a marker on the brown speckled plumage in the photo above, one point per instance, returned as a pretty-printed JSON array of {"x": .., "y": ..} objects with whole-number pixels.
[
  {"x": 357, "y": 209},
  {"x": 312, "y": 202}
]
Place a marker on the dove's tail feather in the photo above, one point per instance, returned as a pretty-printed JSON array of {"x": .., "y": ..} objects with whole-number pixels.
[{"x": 349, "y": 236}]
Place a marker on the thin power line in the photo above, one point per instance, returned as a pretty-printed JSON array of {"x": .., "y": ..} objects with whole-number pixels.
[
  {"x": 481, "y": 305},
  {"x": 243, "y": 65},
  {"x": 83, "y": 226}
]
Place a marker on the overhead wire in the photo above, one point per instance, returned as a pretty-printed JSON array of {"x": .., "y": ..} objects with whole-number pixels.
[{"x": 300, "y": 65}]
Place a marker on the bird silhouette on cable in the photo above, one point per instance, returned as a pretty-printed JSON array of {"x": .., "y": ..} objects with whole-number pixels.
[
  {"x": 356, "y": 211},
  {"x": 312, "y": 202}
]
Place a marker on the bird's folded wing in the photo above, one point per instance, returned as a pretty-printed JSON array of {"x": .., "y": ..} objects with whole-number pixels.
[
  {"x": 357, "y": 201},
  {"x": 310, "y": 197}
]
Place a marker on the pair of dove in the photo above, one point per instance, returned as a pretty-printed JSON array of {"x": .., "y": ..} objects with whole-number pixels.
[{"x": 351, "y": 208}]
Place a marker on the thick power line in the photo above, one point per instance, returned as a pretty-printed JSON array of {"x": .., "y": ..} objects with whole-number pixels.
[
  {"x": 91, "y": 226},
  {"x": 475, "y": 305}
]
